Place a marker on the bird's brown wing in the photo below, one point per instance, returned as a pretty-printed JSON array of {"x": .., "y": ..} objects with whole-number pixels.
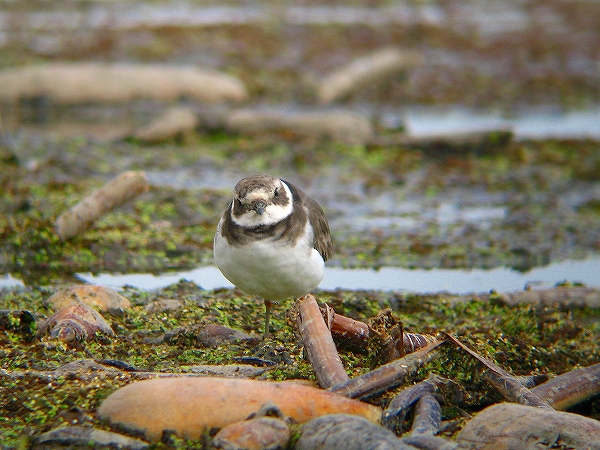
[{"x": 316, "y": 216}]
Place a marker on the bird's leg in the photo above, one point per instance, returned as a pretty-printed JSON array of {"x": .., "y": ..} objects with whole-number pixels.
[{"x": 268, "y": 305}]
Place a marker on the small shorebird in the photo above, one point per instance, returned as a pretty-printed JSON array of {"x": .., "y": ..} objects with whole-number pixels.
[{"x": 272, "y": 240}]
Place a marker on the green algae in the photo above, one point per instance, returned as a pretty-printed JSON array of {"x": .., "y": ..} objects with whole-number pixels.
[
  {"x": 172, "y": 228},
  {"x": 523, "y": 339}
]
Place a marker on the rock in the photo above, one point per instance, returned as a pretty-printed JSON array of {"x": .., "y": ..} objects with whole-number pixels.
[
  {"x": 103, "y": 298},
  {"x": 86, "y": 437},
  {"x": 72, "y": 83},
  {"x": 366, "y": 70},
  {"x": 80, "y": 367},
  {"x": 173, "y": 123},
  {"x": 164, "y": 305},
  {"x": 347, "y": 432},
  {"x": 263, "y": 433},
  {"x": 188, "y": 406},
  {"x": 574, "y": 296},
  {"x": 74, "y": 324},
  {"x": 228, "y": 370},
  {"x": 213, "y": 335},
  {"x": 340, "y": 126},
  {"x": 427, "y": 442},
  {"x": 510, "y": 425}
]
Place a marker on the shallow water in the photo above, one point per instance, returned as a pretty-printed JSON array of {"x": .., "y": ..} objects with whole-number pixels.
[
  {"x": 542, "y": 123},
  {"x": 410, "y": 280}
]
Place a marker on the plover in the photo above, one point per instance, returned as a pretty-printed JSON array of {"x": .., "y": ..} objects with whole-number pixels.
[{"x": 272, "y": 241}]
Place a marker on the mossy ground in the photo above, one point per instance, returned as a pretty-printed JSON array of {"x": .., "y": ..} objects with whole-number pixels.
[
  {"x": 170, "y": 228},
  {"x": 523, "y": 339},
  {"x": 549, "y": 189}
]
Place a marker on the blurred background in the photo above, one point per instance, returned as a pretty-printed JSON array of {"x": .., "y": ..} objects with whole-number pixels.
[
  {"x": 509, "y": 55},
  {"x": 437, "y": 134}
]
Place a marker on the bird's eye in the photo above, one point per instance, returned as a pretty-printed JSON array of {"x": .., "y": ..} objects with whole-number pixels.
[{"x": 276, "y": 193}]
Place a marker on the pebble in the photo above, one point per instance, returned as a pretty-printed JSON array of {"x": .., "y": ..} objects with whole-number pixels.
[
  {"x": 510, "y": 425},
  {"x": 229, "y": 370},
  {"x": 262, "y": 433},
  {"x": 163, "y": 305},
  {"x": 103, "y": 298},
  {"x": 86, "y": 437},
  {"x": 75, "y": 323},
  {"x": 213, "y": 335},
  {"x": 87, "y": 366}
]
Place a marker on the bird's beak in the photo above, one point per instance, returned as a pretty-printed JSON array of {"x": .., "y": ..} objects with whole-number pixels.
[{"x": 259, "y": 207}]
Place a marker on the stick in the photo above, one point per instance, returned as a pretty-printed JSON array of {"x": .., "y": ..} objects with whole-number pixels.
[
  {"x": 349, "y": 333},
  {"x": 428, "y": 416},
  {"x": 116, "y": 192},
  {"x": 354, "y": 335},
  {"x": 387, "y": 376},
  {"x": 319, "y": 345},
  {"x": 509, "y": 386},
  {"x": 570, "y": 388},
  {"x": 395, "y": 415}
]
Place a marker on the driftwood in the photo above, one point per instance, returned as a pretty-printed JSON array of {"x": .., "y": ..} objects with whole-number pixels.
[
  {"x": 568, "y": 296},
  {"x": 509, "y": 386},
  {"x": 366, "y": 70},
  {"x": 348, "y": 333},
  {"x": 116, "y": 192},
  {"x": 428, "y": 416},
  {"x": 342, "y": 126},
  {"x": 84, "y": 82},
  {"x": 172, "y": 123},
  {"x": 570, "y": 388},
  {"x": 319, "y": 345},
  {"x": 395, "y": 414},
  {"x": 387, "y": 376},
  {"x": 356, "y": 335}
]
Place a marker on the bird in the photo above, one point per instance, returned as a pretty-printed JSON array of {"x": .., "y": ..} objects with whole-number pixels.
[{"x": 272, "y": 241}]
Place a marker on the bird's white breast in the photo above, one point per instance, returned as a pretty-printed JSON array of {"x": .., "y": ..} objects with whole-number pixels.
[{"x": 272, "y": 269}]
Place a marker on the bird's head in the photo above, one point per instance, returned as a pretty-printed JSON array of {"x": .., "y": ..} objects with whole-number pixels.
[{"x": 261, "y": 200}]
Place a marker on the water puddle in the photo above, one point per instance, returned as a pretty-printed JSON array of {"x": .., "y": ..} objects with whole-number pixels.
[
  {"x": 388, "y": 279},
  {"x": 534, "y": 124}
]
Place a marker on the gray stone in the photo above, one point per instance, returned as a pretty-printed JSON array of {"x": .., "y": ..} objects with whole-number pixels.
[
  {"x": 347, "y": 432},
  {"x": 514, "y": 426},
  {"x": 84, "y": 437}
]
